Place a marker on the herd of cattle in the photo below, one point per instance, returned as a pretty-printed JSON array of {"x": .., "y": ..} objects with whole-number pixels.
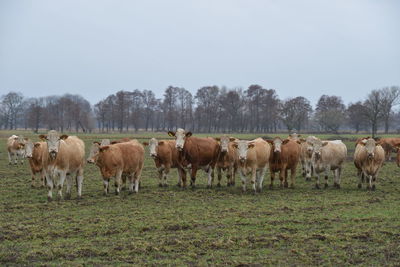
[{"x": 57, "y": 158}]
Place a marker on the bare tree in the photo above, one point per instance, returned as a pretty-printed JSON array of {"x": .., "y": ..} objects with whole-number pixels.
[
  {"x": 390, "y": 96},
  {"x": 356, "y": 116},
  {"x": 373, "y": 110},
  {"x": 12, "y": 107},
  {"x": 330, "y": 113},
  {"x": 295, "y": 113}
]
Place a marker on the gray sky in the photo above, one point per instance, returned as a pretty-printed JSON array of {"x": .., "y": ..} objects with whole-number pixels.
[{"x": 94, "y": 48}]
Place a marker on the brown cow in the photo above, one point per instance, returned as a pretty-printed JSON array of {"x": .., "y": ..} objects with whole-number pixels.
[
  {"x": 15, "y": 149},
  {"x": 196, "y": 153},
  {"x": 165, "y": 156},
  {"x": 35, "y": 153},
  {"x": 389, "y": 145},
  {"x": 285, "y": 155},
  {"x": 227, "y": 159},
  {"x": 65, "y": 156},
  {"x": 368, "y": 159},
  {"x": 121, "y": 159},
  {"x": 253, "y": 160}
]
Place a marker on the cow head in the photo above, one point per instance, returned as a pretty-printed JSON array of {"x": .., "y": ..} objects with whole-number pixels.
[
  {"x": 224, "y": 142},
  {"x": 294, "y": 136},
  {"x": 317, "y": 147},
  {"x": 369, "y": 145},
  {"x": 180, "y": 136},
  {"x": 153, "y": 144},
  {"x": 53, "y": 140},
  {"x": 242, "y": 147},
  {"x": 94, "y": 151},
  {"x": 29, "y": 149},
  {"x": 277, "y": 143}
]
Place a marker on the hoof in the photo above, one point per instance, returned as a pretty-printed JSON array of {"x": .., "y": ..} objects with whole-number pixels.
[
  {"x": 286, "y": 185},
  {"x": 291, "y": 186},
  {"x": 67, "y": 196},
  {"x": 209, "y": 186},
  {"x": 317, "y": 186},
  {"x": 271, "y": 186},
  {"x": 326, "y": 186},
  {"x": 219, "y": 185},
  {"x": 359, "y": 186},
  {"x": 116, "y": 193},
  {"x": 32, "y": 186},
  {"x": 49, "y": 199},
  {"x": 178, "y": 185},
  {"x": 373, "y": 187},
  {"x": 160, "y": 185}
]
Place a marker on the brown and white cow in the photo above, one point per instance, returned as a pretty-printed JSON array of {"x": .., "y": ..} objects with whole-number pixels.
[
  {"x": 65, "y": 157},
  {"x": 328, "y": 156},
  {"x": 227, "y": 159},
  {"x": 368, "y": 159},
  {"x": 165, "y": 156},
  {"x": 253, "y": 160},
  {"x": 389, "y": 144},
  {"x": 35, "y": 153},
  {"x": 306, "y": 149},
  {"x": 196, "y": 153},
  {"x": 94, "y": 150},
  {"x": 285, "y": 155},
  {"x": 116, "y": 160},
  {"x": 15, "y": 149}
]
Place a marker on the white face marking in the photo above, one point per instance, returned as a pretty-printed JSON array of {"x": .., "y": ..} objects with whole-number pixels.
[
  {"x": 242, "y": 147},
  {"x": 224, "y": 142},
  {"x": 180, "y": 138},
  {"x": 152, "y": 147},
  {"x": 53, "y": 142},
  {"x": 277, "y": 144},
  {"x": 29, "y": 149}
]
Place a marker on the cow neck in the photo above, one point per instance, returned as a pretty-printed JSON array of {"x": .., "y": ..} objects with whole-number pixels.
[{"x": 276, "y": 157}]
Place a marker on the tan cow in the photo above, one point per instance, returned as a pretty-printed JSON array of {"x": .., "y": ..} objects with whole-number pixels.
[
  {"x": 120, "y": 159},
  {"x": 285, "y": 155},
  {"x": 94, "y": 150},
  {"x": 227, "y": 159},
  {"x": 65, "y": 157},
  {"x": 253, "y": 160},
  {"x": 165, "y": 156},
  {"x": 196, "y": 153},
  {"x": 328, "y": 156},
  {"x": 15, "y": 149},
  {"x": 389, "y": 145},
  {"x": 306, "y": 149},
  {"x": 368, "y": 159},
  {"x": 35, "y": 153}
]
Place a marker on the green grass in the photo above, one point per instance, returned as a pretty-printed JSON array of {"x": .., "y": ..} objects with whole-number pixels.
[{"x": 219, "y": 226}]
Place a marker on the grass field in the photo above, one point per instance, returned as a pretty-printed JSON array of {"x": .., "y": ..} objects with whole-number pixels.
[{"x": 219, "y": 226}]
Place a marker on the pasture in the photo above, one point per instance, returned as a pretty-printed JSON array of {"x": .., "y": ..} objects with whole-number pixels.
[{"x": 198, "y": 227}]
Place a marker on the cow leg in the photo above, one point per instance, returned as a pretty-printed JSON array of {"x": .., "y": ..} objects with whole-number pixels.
[
  {"x": 165, "y": 176},
  {"x": 193, "y": 177},
  {"x": 282, "y": 177},
  {"x": 33, "y": 177},
  {"x": 271, "y": 185},
  {"x": 373, "y": 188},
  {"x": 50, "y": 187},
  {"x": 79, "y": 182},
  {"x": 326, "y": 176},
  {"x": 69, "y": 185},
  {"x": 317, "y": 181},
  {"x": 286, "y": 184},
  {"x": 369, "y": 186},
  {"x": 292, "y": 176},
  {"x": 15, "y": 158},
  {"x": 308, "y": 171},
  {"x": 137, "y": 180},
  {"x": 338, "y": 173},
  {"x": 253, "y": 179},
  {"x": 9, "y": 158},
  {"x": 243, "y": 178},
  {"x": 118, "y": 182},
  {"x": 210, "y": 173},
  {"x": 61, "y": 179},
  {"x": 182, "y": 178},
  {"x": 220, "y": 177},
  {"x": 261, "y": 179},
  {"x": 106, "y": 184},
  {"x": 160, "y": 176}
]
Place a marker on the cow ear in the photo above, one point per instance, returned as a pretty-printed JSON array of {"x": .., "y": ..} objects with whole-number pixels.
[
  {"x": 285, "y": 141},
  {"x": 377, "y": 139},
  {"x": 63, "y": 137},
  {"x": 145, "y": 143},
  {"x": 160, "y": 143},
  {"x": 172, "y": 134},
  {"x": 96, "y": 142},
  {"x": 42, "y": 137},
  {"x": 114, "y": 142},
  {"x": 26, "y": 138},
  {"x": 232, "y": 139},
  {"x": 217, "y": 139},
  {"x": 324, "y": 143},
  {"x": 250, "y": 145},
  {"x": 302, "y": 140},
  {"x": 235, "y": 145},
  {"x": 188, "y": 134},
  {"x": 299, "y": 142},
  {"x": 36, "y": 145},
  {"x": 270, "y": 141},
  {"x": 104, "y": 148}
]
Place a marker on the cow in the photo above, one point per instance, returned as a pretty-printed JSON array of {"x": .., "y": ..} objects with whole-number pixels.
[
  {"x": 328, "y": 156},
  {"x": 15, "y": 149},
  {"x": 196, "y": 153},
  {"x": 253, "y": 160},
  {"x": 389, "y": 145},
  {"x": 306, "y": 150},
  {"x": 165, "y": 156},
  {"x": 65, "y": 157},
  {"x": 118, "y": 160},
  {"x": 285, "y": 155},
  {"x": 122, "y": 140},
  {"x": 368, "y": 159},
  {"x": 227, "y": 159},
  {"x": 294, "y": 136},
  {"x": 35, "y": 153}
]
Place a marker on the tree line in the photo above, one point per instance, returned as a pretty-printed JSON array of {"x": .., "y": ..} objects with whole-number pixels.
[{"x": 211, "y": 109}]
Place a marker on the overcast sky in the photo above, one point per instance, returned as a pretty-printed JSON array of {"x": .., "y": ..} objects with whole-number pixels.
[{"x": 95, "y": 48}]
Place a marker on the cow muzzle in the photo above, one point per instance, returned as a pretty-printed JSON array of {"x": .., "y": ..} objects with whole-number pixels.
[
  {"x": 53, "y": 154},
  {"x": 180, "y": 148},
  {"x": 153, "y": 155},
  {"x": 242, "y": 159},
  {"x": 371, "y": 155},
  {"x": 90, "y": 160}
]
